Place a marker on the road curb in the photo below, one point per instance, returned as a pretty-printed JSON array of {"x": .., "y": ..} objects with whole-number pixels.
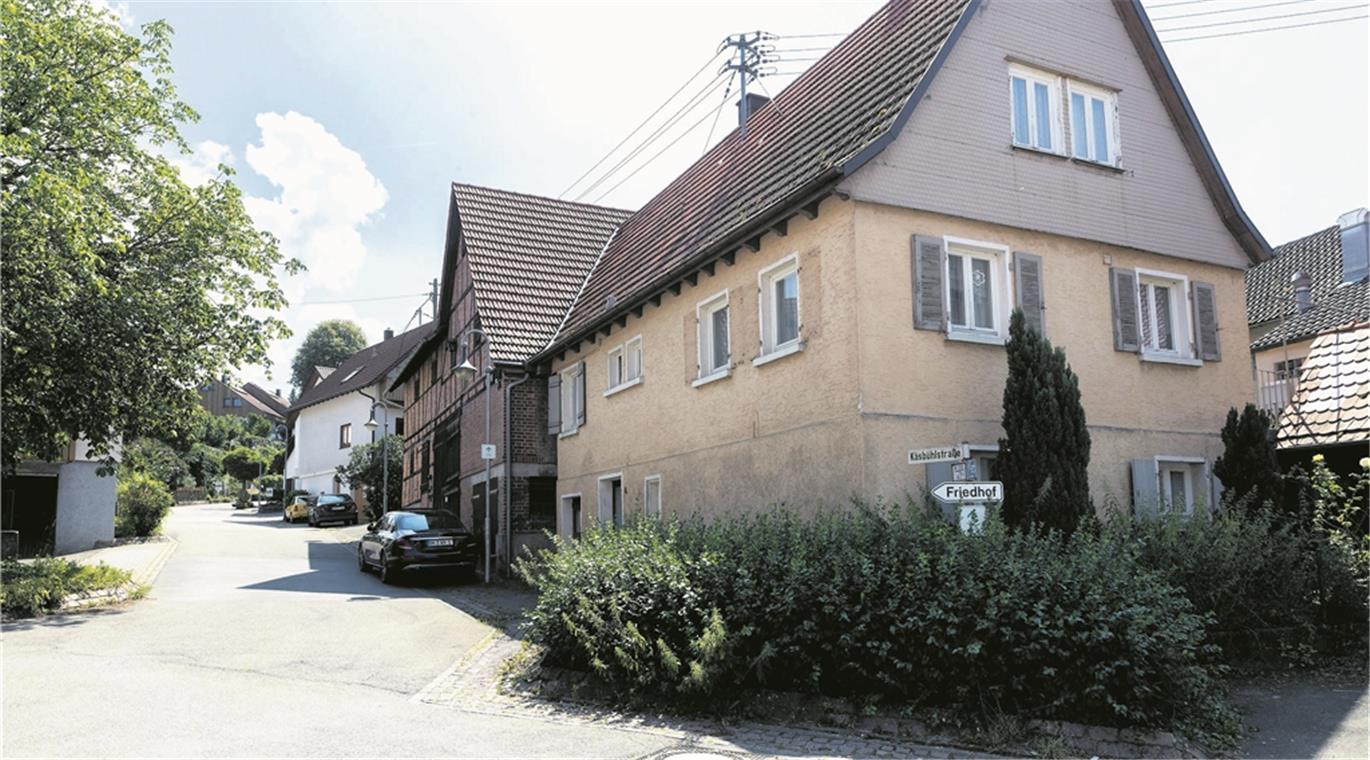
[{"x": 151, "y": 570}]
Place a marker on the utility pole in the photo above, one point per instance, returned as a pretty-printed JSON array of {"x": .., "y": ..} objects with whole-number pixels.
[
  {"x": 433, "y": 298},
  {"x": 750, "y": 55}
]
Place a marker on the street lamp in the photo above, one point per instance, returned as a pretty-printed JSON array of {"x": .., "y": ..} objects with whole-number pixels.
[
  {"x": 466, "y": 370},
  {"x": 371, "y": 425}
]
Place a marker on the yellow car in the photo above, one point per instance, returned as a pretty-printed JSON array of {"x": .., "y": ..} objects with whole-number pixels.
[{"x": 297, "y": 509}]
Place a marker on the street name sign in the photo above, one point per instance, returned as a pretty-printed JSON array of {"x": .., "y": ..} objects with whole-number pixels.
[
  {"x": 954, "y": 453},
  {"x": 957, "y": 492}
]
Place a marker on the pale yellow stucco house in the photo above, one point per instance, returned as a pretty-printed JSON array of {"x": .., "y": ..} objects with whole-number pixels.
[{"x": 817, "y": 298}]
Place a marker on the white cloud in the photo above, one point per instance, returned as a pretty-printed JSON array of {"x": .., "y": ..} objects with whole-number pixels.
[
  {"x": 203, "y": 162},
  {"x": 117, "y": 9},
  {"x": 326, "y": 195}
]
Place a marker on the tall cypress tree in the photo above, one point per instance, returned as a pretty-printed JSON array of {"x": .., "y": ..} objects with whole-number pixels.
[
  {"x": 1044, "y": 454},
  {"x": 1248, "y": 464}
]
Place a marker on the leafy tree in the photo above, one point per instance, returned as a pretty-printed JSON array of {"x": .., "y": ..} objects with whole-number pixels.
[
  {"x": 1248, "y": 466},
  {"x": 125, "y": 288},
  {"x": 1044, "y": 454},
  {"x": 244, "y": 464},
  {"x": 156, "y": 459},
  {"x": 364, "y": 469},
  {"x": 327, "y": 345}
]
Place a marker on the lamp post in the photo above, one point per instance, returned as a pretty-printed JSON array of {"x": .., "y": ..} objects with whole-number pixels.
[
  {"x": 385, "y": 451},
  {"x": 468, "y": 370}
]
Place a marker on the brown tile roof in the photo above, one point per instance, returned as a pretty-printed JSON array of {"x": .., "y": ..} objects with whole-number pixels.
[
  {"x": 1332, "y": 403},
  {"x": 275, "y": 402},
  {"x": 1268, "y": 293},
  {"x": 529, "y": 256},
  {"x": 363, "y": 368},
  {"x": 836, "y": 110}
]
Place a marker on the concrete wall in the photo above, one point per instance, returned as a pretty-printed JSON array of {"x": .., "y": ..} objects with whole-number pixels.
[
  {"x": 85, "y": 507},
  {"x": 955, "y": 155}
]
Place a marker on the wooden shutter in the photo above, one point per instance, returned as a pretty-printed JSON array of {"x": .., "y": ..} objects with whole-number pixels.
[
  {"x": 929, "y": 311},
  {"x": 1146, "y": 496},
  {"x": 580, "y": 391},
  {"x": 1027, "y": 283},
  {"x": 1205, "y": 300},
  {"x": 554, "y": 404},
  {"x": 1123, "y": 283}
]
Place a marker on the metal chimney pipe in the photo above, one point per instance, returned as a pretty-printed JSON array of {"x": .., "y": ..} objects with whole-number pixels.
[{"x": 1303, "y": 291}]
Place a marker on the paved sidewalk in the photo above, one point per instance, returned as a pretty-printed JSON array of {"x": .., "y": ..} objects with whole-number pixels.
[{"x": 144, "y": 559}]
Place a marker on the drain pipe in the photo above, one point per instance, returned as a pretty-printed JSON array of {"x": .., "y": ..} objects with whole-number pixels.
[{"x": 507, "y": 492}]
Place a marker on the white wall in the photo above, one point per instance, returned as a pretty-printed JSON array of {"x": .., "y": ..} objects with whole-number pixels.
[
  {"x": 85, "y": 507},
  {"x": 316, "y": 456}
]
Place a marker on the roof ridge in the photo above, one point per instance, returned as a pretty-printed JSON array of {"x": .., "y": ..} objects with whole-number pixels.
[
  {"x": 585, "y": 281},
  {"x": 1302, "y": 238},
  {"x": 503, "y": 191}
]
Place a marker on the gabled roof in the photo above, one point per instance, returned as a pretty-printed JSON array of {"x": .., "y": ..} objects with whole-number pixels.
[
  {"x": 362, "y": 369},
  {"x": 272, "y": 401},
  {"x": 528, "y": 257},
  {"x": 257, "y": 405},
  {"x": 1268, "y": 293},
  {"x": 1348, "y": 304},
  {"x": 1332, "y": 402},
  {"x": 836, "y": 116}
]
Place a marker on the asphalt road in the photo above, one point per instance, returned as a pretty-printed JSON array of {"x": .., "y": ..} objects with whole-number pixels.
[{"x": 263, "y": 639}]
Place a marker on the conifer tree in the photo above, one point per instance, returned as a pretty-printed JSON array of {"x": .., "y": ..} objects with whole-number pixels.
[
  {"x": 1044, "y": 454},
  {"x": 1248, "y": 465}
]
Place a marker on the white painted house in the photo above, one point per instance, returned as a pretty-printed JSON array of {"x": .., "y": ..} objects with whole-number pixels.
[
  {"x": 330, "y": 416},
  {"x": 59, "y": 507}
]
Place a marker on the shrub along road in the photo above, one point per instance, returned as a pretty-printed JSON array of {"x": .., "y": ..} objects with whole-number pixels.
[{"x": 262, "y": 639}]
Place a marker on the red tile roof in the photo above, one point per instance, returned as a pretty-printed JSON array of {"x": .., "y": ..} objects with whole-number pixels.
[{"x": 1332, "y": 403}]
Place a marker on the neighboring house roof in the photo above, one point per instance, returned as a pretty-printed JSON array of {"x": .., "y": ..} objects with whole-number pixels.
[
  {"x": 836, "y": 116},
  {"x": 528, "y": 257},
  {"x": 1348, "y": 304},
  {"x": 257, "y": 405},
  {"x": 274, "y": 402},
  {"x": 1332, "y": 402},
  {"x": 1268, "y": 292},
  {"x": 363, "y": 368}
]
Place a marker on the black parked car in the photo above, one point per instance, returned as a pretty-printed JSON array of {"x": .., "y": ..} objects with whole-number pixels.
[
  {"x": 420, "y": 539},
  {"x": 333, "y": 507}
]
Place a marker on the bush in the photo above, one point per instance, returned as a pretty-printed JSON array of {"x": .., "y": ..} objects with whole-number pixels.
[
  {"x": 142, "y": 502},
  {"x": 1248, "y": 467},
  {"x": 40, "y": 586},
  {"x": 877, "y": 602}
]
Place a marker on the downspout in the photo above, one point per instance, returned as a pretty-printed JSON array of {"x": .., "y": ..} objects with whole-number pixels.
[{"x": 506, "y": 493}]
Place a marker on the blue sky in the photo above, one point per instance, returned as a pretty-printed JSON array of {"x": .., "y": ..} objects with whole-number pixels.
[{"x": 345, "y": 123}]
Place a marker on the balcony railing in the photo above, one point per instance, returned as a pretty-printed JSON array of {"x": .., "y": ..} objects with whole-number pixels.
[{"x": 1274, "y": 391}]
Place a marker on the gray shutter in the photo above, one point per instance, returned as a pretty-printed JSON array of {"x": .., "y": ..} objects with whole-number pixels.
[
  {"x": 1146, "y": 497},
  {"x": 937, "y": 474},
  {"x": 1027, "y": 281},
  {"x": 580, "y": 389},
  {"x": 929, "y": 313},
  {"x": 1205, "y": 300},
  {"x": 554, "y": 404},
  {"x": 1123, "y": 284}
]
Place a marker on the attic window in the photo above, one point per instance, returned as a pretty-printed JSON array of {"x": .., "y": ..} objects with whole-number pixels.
[{"x": 353, "y": 373}]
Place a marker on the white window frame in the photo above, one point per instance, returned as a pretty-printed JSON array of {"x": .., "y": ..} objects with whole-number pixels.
[
  {"x": 565, "y": 511},
  {"x": 1110, "y": 100},
  {"x": 570, "y": 398},
  {"x": 604, "y": 494},
  {"x": 1181, "y": 323},
  {"x": 646, "y": 510},
  {"x": 768, "y": 316},
  {"x": 1190, "y": 467},
  {"x": 1053, "y": 83},
  {"x": 619, "y": 372},
  {"x": 704, "y": 339},
  {"x": 998, "y": 255}
]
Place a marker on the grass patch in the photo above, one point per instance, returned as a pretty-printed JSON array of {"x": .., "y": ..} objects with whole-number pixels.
[{"x": 29, "y": 589}]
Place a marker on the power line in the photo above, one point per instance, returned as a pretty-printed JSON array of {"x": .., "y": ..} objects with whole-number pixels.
[
  {"x": 711, "y": 87},
  {"x": 1266, "y": 29},
  {"x": 1262, "y": 18},
  {"x": 650, "y": 116},
  {"x": 717, "y": 112},
  {"x": 810, "y": 36},
  {"x": 1233, "y": 10},
  {"x": 687, "y": 131}
]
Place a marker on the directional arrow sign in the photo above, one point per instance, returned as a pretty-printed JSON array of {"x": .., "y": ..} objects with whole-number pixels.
[{"x": 956, "y": 492}]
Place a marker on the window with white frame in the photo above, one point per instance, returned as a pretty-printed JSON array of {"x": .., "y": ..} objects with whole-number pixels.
[
  {"x": 1093, "y": 123},
  {"x": 714, "y": 356},
  {"x": 780, "y": 306},
  {"x": 572, "y": 397},
  {"x": 977, "y": 289},
  {"x": 1163, "y": 318},
  {"x": 1034, "y": 103},
  {"x": 651, "y": 496},
  {"x": 1180, "y": 481},
  {"x": 625, "y": 364}
]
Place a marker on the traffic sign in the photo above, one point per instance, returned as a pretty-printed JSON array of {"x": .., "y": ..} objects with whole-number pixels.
[
  {"x": 487, "y": 451},
  {"x": 953, "y": 453},
  {"x": 957, "y": 492}
]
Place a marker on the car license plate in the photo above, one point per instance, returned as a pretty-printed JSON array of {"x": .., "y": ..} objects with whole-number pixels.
[{"x": 440, "y": 542}]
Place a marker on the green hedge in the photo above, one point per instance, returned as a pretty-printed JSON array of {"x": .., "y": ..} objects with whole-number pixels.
[
  {"x": 32, "y": 588},
  {"x": 142, "y": 502},
  {"x": 880, "y": 602}
]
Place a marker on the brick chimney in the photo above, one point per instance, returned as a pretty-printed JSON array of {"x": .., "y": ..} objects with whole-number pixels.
[{"x": 750, "y": 105}]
